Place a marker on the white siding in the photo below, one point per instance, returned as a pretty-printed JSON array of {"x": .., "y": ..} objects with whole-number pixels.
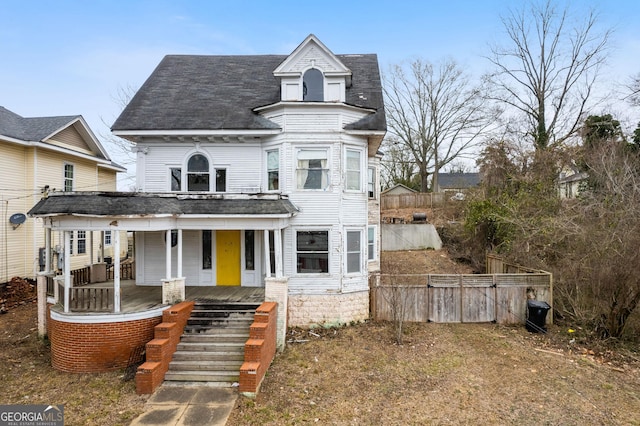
[{"x": 244, "y": 171}]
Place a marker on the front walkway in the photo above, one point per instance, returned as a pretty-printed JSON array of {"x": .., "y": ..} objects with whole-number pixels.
[{"x": 188, "y": 405}]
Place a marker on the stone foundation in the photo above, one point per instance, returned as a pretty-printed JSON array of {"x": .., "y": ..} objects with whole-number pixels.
[{"x": 328, "y": 310}]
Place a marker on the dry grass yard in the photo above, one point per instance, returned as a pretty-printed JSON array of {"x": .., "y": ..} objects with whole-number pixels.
[
  {"x": 356, "y": 375},
  {"x": 444, "y": 374}
]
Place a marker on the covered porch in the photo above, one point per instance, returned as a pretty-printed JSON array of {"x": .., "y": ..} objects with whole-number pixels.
[{"x": 98, "y": 297}]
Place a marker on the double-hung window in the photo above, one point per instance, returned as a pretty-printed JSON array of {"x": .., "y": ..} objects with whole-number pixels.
[
  {"x": 354, "y": 251},
  {"x": 371, "y": 242},
  {"x": 312, "y": 170},
  {"x": 371, "y": 182},
  {"x": 221, "y": 180},
  {"x": 175, "y": 176},
  {"x": 312, "y": 252},
  {"x": 273, "y": 170},
  {"x": 68, "y": 177},
  {"x": 353, "y": 167},
  {"x": 82, "y": 242},
  {"x": 107, "y": 238}
]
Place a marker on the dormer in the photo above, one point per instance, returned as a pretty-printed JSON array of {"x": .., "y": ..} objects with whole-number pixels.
[{"x": 312, "y": 73}]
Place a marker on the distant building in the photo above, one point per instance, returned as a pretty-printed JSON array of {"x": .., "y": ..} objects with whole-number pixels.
[
  {"x": 457, "y": 182},
  {"x": 569, "y": 182},
  {"x": 399, "y": 189}
]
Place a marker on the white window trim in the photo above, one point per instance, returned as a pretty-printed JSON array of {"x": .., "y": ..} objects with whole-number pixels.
[
  {"x": 185, "y": 171},
  {"x": 300, "y": 148},
  {"x": 361, "y": 152},
  {"x": 77, "y": 241},
  {"x": 170, "y": 177},
  {"x": 104, "y": 241},
  {"x": 375, "y": 186},
  {"x": 213, "y": 185},
  {"x": 64, "y": 176},
  {"x": 295, "y": 251},
  {"x": 324, "y": 83},
  {"x": 266, "y": 170},
  {"x": 346, "y": 252},
  {"x": 375, "y": 243}
]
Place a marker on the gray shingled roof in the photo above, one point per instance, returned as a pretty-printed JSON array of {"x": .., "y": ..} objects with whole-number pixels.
[
  {"x": 191, "y": 92},
  {"x": 135, "y": 204},
  {"x": 458, "y": 180},
  {"x": 33, "y": 128}
]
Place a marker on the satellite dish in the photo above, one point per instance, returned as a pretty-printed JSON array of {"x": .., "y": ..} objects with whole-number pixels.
[{"x": 17, "y": 219}]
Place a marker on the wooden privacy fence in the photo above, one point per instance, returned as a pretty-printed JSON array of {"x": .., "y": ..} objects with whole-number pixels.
[
  {"x": 413, "y": 200},
  {"x": 500, "y": 298}
]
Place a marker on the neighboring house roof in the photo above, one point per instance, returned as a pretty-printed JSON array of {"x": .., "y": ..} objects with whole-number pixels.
[
  {"x": 192, "y": 92},
  {"x": 40, "y": 130},
  {"x": 398, "y": 189},
  {"x": 576, "y": 177},
  {"x": 149, "y": 204},
  {"x": 31, "y": 129},
  {"x": 458, "y": 180}
]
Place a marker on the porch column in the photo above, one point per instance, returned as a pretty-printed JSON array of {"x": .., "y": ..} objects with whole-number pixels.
[
  {"x": 267, "y": 256},
  {"x": 41, "y": 282},
  {"x": 115, "y": 240},
  {"x": 179, "y": 266},
  {"x": 277, "y": 242},
  {"x": 47, "y": 250},
  {"x": 91, "y": 248},
  {"x": 167, "y": 254},
  {"x": 67, "y": 269}
]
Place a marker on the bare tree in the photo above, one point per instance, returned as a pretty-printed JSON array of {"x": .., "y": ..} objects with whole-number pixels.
[
  {"x": 548, "y": 70},
  {"x": 634, "y": 90},
  {"x": 398, "y": 166},
  {"x": 601, "y": 277},
  {"x": 122, "y": 147},
  {"x": 435, "y": 113}
]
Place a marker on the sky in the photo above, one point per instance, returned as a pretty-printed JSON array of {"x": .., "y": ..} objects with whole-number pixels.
[{"x": 67, "y": 57}]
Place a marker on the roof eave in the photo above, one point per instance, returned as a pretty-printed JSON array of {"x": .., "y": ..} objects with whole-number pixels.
[{"x": 188, "y": 132}]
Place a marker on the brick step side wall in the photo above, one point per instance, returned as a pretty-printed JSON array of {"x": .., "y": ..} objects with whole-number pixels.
[
  {"x": 259, "y": 349},
  {"x": 160, "y": 350}
]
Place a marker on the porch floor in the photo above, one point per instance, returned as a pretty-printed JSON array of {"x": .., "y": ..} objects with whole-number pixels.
[{"x": 138, "y": 298}]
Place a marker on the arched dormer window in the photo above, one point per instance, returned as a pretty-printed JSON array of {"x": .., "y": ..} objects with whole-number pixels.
[
  {"x": 198, "y": 173},
  {"x": 313, "y": 86}
]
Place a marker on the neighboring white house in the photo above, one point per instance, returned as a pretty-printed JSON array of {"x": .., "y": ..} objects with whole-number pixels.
[
  {"x": 570, "y": 180},
  {"x": 253, "y": 171}
]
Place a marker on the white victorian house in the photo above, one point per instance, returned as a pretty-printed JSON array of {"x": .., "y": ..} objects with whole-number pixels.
[{"x": 252, "y": 171}]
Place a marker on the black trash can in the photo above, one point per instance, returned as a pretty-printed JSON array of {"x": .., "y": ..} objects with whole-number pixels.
[{"x": 537, "y": 316}]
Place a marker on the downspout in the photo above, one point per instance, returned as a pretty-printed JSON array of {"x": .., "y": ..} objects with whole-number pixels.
[
  {"x": 33, "y": 221},
  {"x": 6, "y": 238}
]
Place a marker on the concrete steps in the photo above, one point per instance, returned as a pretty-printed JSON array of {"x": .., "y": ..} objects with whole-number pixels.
[{"x": 211, "y": 348}]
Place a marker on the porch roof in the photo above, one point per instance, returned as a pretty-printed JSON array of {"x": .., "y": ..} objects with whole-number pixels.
[{"x": 132, "y": 204}]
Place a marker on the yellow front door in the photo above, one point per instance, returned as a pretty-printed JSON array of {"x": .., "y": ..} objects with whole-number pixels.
[{"x": 228, "y": 258}]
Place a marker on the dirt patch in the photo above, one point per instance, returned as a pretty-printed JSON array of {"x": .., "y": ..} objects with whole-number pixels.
[{"x": 422, "y": 262}]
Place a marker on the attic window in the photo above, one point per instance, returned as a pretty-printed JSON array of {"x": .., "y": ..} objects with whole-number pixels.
[{"x": 313, "y": 86}]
